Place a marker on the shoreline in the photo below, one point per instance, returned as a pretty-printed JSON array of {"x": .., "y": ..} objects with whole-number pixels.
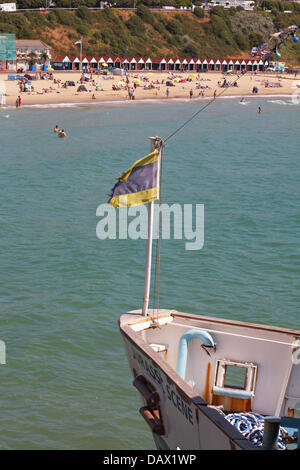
[
  {"x": 102, "y": 103},
  {"x": 50, "y": 93}
]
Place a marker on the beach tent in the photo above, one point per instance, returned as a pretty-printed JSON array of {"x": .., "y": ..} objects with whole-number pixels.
[
  {"x": 81, "y": 88},
  {"x": 118, "y": 72}
]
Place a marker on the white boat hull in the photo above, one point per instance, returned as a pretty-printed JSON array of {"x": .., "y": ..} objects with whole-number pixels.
[{"x": 178, "y": 416}]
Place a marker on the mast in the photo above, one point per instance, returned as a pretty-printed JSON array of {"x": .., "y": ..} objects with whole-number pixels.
[
  {"x": 81, "y": 54},
  {"x": 147, "y": 282}
]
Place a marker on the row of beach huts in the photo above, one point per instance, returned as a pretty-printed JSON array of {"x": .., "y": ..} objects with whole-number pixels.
[{"x": 156, "y": 64}]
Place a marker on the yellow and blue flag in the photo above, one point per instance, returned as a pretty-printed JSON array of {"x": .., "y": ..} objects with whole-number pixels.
[{"x": 139, "y": 184}]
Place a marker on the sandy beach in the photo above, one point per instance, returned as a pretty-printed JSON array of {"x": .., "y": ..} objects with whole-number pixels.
[{"x": 147, "y": 86}]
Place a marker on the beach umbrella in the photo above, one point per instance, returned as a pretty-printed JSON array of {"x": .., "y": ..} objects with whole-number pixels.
[
  {"x": 137, "y": 80},
  {"x": 50, "y": 68},
  {"x": 192, "y": 75},
  {"x": 104, "y": 64}
]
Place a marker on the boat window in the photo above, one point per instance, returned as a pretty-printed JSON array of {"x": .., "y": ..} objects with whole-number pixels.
[{"x": 235, "y": 377}]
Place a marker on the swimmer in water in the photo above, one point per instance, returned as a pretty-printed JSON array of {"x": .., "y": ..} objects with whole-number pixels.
[
  {"x": 62, "y": 133},
  {"x": 56, "y": 129},
  {"x": 242, "y": 100},
  {"x": 259, "y": 110}
]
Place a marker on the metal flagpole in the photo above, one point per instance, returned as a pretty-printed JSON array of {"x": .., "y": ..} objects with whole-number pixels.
[
  {"x": 81, "y": 53},
  {"x": 149, "y": 240}
]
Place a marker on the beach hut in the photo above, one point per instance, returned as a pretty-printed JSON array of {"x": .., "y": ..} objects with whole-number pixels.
[
  {"x": 218, "y": 65},
  {"x": 156, "y": 63},
  {"x": 100, "y": 62},
  {"x": 163, "y": 65},
  {"x": 67, "y": 64},
  {"x": 230, "y": 65},
  {"x": 132, "y": 64},
  {"x": 191, "y": 65},
  {"x": 198, "y": 65},
  {"x": 85, "y": 64},
  {"x": 177, "y": 64},
  {"x": 171, "y": 64},
  {"x": 237, "y": 65},
  {"x": 141, "y": 64},
  {"x": 224, "y": 65},
  {"x": 261, "y": 65},
  {"x": 75, "y": 64},
  {"x": 243, "y": 65},
  {"x": 211, "y": 65},
  {"x": 125, "y": 64},
  {"x": 93, "y": 63},
  {"x": 204, "y": 65},
  {"x": 57, "y": 63},
  {"x": 184, "y": 64},
  {"x": 148, "y": 64},
  {"x": 249, "y": 66},
  {"x": 110, "y": 62}
]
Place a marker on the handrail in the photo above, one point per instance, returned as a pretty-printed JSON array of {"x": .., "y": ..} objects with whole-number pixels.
[{"x": 185, "y": 339}]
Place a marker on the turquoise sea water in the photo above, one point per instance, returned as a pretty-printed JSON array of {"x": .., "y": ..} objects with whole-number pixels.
[{"x": 66, "y": 383}]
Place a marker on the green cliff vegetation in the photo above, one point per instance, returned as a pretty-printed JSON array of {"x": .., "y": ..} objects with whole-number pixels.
[{"x": 220, "y": 33}]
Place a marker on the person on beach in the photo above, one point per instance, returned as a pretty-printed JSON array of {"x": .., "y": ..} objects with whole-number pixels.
[
  {"x": 19, "y": 101},
  {"x": 191, "y": 93},
  {"x": 56, "y": 129},
  {"x": 62, "y": 133},
  {"x": 167, "y": 92},
  {"x": 215, "y": 94}
]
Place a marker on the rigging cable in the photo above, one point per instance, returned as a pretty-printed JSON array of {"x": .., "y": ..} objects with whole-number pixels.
[{"x": 201, "y": 109}]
